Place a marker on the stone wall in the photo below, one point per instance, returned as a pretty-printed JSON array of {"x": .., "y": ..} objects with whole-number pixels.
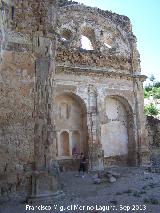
[
  {"x": 114, "y": 137},
  {"x": 153, "y": 127},
  {"x": 110, "y": 34},
  {"x": 16, "y": 117},
  {"x": 93, "y": 58},
  {"x": 27, "y": 38}
]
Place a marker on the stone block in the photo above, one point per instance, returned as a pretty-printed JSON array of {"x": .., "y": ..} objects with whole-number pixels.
[
  {"x": 112, "y": 179},
  {"x": 97, "y": 181}
]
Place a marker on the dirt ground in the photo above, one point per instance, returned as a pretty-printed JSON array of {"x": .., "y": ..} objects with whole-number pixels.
[{"x": 136, "y": 190}]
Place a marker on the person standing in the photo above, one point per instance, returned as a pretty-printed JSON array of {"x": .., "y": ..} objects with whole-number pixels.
[
  {"x": 82, "y": 164},
  {"x": 74, "y": 153}
]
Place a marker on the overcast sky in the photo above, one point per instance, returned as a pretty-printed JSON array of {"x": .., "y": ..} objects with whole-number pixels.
[{"x": 145, "y": 19}]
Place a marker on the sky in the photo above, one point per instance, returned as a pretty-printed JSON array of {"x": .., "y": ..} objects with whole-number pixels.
[{"x": 145, "y": 20}]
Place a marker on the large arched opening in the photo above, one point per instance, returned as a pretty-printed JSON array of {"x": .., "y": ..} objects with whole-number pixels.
[
  {"x": 71, "y": 127},
  {"x": 117, "y": 133}
]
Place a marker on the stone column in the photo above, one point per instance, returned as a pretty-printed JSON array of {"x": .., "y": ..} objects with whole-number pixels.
[
  {"x": 95, "y": 151},
  {"x": 142, "y": 150},
  {"x": 142, "y": 145},
  {"x": 45, "y": 184}
]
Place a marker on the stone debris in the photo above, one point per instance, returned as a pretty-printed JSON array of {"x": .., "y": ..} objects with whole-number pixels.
[
  {"x": 83, "y": 192},
  {"x": 105, "y": 176},
  {"x": 112, "y": 179},
  {"x": 97, "y": 181},
  {"x": 113, "y": 173}
]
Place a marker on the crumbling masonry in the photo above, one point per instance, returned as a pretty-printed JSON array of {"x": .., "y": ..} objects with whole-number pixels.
[{"x": 60, "y": 98}]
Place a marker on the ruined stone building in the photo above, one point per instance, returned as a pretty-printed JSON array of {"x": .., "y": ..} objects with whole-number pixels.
[
  {"x": 70, "y": 80},
  {"x": 153, "y": 130}
]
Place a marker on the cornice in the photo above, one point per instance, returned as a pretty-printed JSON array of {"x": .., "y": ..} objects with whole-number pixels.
[{"x": 97, "y": 72}]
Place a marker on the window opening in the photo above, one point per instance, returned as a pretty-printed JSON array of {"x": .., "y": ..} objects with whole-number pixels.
[{"x": 86, "y": 43}]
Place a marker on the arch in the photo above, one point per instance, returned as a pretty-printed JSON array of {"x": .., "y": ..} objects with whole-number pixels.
[
  {"x": 107, "y": 39},
  {"x": 88, "y": 32},
  {"x": 66, "y": 35},
  {"x": 117, "y": 135},
  {"x": 74, "y": 96},
  {"x": 104, "y": 19},
  {"x": 87, "y": 38},
  {"x": 73, "y": 121},
  {"x": 64, "y": 141},
  {"x": 92, "y": 28},
  {"x": 64, "y": 130},
  {"x": 123, "y": 100}
]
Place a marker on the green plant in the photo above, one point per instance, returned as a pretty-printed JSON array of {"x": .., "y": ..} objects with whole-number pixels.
[
  {"x": 152, "y": 88},
  {"x": 156, "y": 96},
  {"x": 148, "y": 88},
  {"x": 157, "y": 93},
  {"x": 157, "y": 84},
  {"x": 146, "y": 94},
  {"x": 151, "y": 109}
]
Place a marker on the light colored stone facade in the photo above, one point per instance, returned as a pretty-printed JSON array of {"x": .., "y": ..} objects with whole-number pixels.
[
  {"x": 57, "y": 97},
  {"x": 106, "y": 79}
]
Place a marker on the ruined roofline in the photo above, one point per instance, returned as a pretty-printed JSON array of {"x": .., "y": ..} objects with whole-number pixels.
[
  {"x": 63, "y": 3},
  {"x": 121, "y": 20}
]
